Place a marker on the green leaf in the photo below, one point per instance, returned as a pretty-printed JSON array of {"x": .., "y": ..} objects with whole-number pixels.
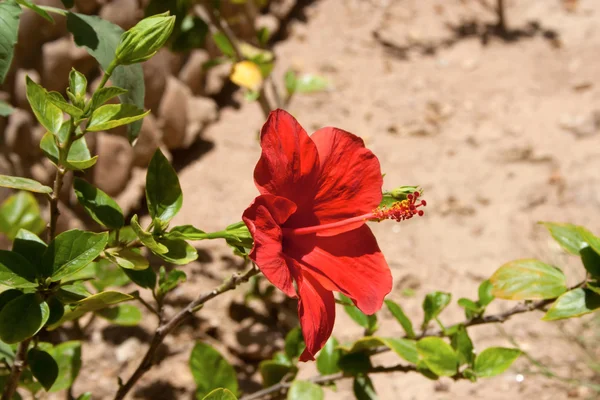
[
  {"x": 302, "y": 390},
  {"x": 5, "y": 108},
  {"x": 224, "y": 44},
  {"x": 15, "y": 182},
  {"x": 179, "y": 251},
  {"x": 294, "y": 343},
  {"x": 145, "y": 278},
  {"x": 147, "y": 238},
  {"x": 574, "y": 303},
  {"x": 68, "y": 3},
  {"x": 163, "y": 192},
  {"x": 405, "y": 348},
  {"x": 401, "y": 317},
  {"x": 7, "y": 296},
  {"x": 71, "y": 251},
  {"x": 567, "y": 235},
  {"x": 211, "y": 370},
  {"x": 78, "y": 86},
  {"x": 68, "y": 357},
  {"x": 57, "y": 310},
  {"x": 10, "y": 13},
  {"x": 39, "y": 11},
  {"x": 43, "y": 367},
  {"x": 438, "y": 356},
  {"x": 461, "y": 342},
  {"x": 123, "y": 314},
  {"x": 22, "y": 318},
  {"x": 433, "y": 304},
  {"x": 59, "y": 101},
  {"x": 272, "y": 372},
  {"x": 369, "y": 322},
  {"x": 143, "y": 40},
  {"x": 309, "y": 83},
  {"x": 485, "y": 293},
  {"x": 355, "y": 363},
  {"x": 85, "y": 396},
  {"x": 104, "y": 94},
  {"x": 92, "y": 303},
  {"x": 220, "y": 394},
  {"x": 30, "y": 246},
  {"x": 528, "y": 279},
  {"x": 108, "y": 274},
  {"x": 100, "y": 206},
  {"x": 79, "y": 157},
  {"x": 110, "y": 116},
  {"x": 101, "y": 38},
  {"x": 590, "y": 260},
  {"x": 16, "y": 271},
  {"x": 129, "y": 259},
  {"x": 290, "y": 80},
  {"x": 70, "y": 294},
  {"x": 363, "y": 388},
  {"x": 187, "y": 232},
  {"x": 495, "y": 360},
  {"x": 192, "y": 34},
  {"x": 47, "y": 113},
  {"x": 20, "y": 211},
  {"x": 328, "y": 358},
  {"x": 6, "y": 354},
  {"x": 590, "y": 239}
]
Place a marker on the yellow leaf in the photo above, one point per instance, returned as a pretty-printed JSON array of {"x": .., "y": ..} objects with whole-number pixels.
[{"x": 247, "y": 75}]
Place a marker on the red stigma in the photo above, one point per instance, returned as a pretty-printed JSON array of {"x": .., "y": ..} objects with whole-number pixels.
[{"x": 402, "y": 210}]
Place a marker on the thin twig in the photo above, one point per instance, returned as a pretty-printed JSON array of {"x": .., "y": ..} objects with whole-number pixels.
[
  {"x": 165, "y": 328},
  {"x": 17, "y": 369}
]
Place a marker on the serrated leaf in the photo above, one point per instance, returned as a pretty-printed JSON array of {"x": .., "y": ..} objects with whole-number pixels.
[
  {"x": 47, "y": 114},
  {"x": 574, "y": 303},
  {"x": 328, "y": 357},
  {"x": 43, "y": 367},
  {"x": 71, "y": 251},
  {"x": 301, "y": 390},
  {"x": 110, "y": 116},
  {"x": 211, "y": 370},
  {"x": 147, "y": 238},
  {"x": 495, "y": 360},
  {"x": 433, "y": 304},
  {"x": 100, "y": 206},
  {"x": 438, "y": 356},
  {"x": 401, "y": 317},
  {"x": 22, "y": 318},
  {"x": 163, "y": 192},
  {"x": 20, "y": 211},
  {"x": 567, "y": 236},
  {"x": 10, "y": 14},
  {"x": 101, "y": 38},
  {"x": 91, "y": 304},
  {"x": 528, "y": 279},
  {"x": 123, "y": 314},
  {"x": 16, "y": 271},
  {"x": 15, "y": 182}
]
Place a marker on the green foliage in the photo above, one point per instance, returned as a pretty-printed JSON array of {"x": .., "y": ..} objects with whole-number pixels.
[
  {"x": 273, "y": 371},
  {"x": 5, "y": 109},
  {"x": 128, "y": 259},
  {"x": 78, "y": 158},
  {"x": 71, "y": 251},
  {"x": 211, "y": 370},
  {"x": 16, "y": 271},
  {"x": 369, "y": 322},
  {"x": 45, "y": 111},
  {"x": 294, "y": 343},
  {"x": 43, "y": 367},
  {"x": 147, "y": 238},
  {"x": 574, "y": 303},
  {"x": 20, "y": 211},
  {"x": 145, "y": 278},
  {"x": 355, "y": 363},
  {"x": 462, "y": 344},
  {"x": 179, "y": 252},
  {"x": 122, "y": 314},
  {"x": 433, "y": 305},
  {"x": 15, "y": 182},
  {"x": 169, "y": 281},
  {"x": 405, "y": 348},
  {"x": 10, "y": 14},
  {"x": 104, "y": 94},
  {"x": 306, "y": 83},
  {"x": 59, "y": 101},
  {"x": 327, "y": 360},
  {"x": 100, "y": 206},
  {"x": 93, "y": 303},
  {"x": 438, "y": 356},
  {"x": 223, "y": 44},
  {"x": 101, "y": 38},
  {"x": 363, "y": 388},
  {"x": 77, "y": 88},
  {"x": 528, "y": 279},
  {"x": 67, "y": 356},
  {"x": 401, "y": 317},
  {"x": 495, "y": 360},
  {"x": 220, "y": 394},
  {"x": 301, "y": 390},
  {"x": 23, "y": 317},
  {"x": 163, "y": 192},
  {"x": 567, "y": 235},
  {"x": 142, "y": 41},
  {"x": 110, "y": 116}
]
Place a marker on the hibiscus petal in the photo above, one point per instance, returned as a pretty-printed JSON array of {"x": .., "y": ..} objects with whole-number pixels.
[
  {"x": 263, "y": 219},
  {"x": 350, "y": 178},
  {"x": 350, "y": 263},
  {"x": 289, "y": 163},
  {"x": 316, "y": 309}
]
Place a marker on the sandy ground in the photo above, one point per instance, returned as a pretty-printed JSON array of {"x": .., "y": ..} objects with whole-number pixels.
[{"x": 500, "y": 134}]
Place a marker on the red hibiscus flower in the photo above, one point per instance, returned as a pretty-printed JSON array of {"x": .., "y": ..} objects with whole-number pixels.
[{"x": 308, "y": 224}]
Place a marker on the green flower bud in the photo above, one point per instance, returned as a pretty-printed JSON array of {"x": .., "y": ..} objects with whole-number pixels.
[{"x": 143, "y": 40}]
